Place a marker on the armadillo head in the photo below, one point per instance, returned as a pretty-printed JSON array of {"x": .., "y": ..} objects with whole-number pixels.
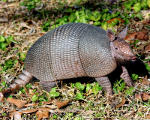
[{"x": 120, "y": 49}]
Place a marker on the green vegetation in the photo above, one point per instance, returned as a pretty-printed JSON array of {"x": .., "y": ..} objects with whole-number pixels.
[
  {"x": 30, "y": 4},
  {"x": 6, "y": 41},
  {"x": 147, "y": 67},
  {"x": 119, "y": 86},
  {"x": 53, "y": 93},
  {"x": 88, "y": 99},
  {"x": 134, "y": 76},
  {"x": 107, "y": 17}
]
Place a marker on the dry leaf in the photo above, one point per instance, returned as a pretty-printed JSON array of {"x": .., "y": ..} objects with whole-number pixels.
[
  {"x": 142, "y": 96},
  {"x": 145, "y": 81},
  {"x": 18, "y": 103},
  {"x": 44, "y": 109},
  {"x": 30, "y": 104},
  {"x": 146, "y": 22},
  {"x": 42, "y": 113},
  {"x": 148, "y": 116},
  {"x": 61, "y": 104},
  {"x": 112, "y": 20},
  {"x": 147, "y": 48},
  {"x": 1, "y": 97},
  {"x": 47, "y": 103},
  {"x": 142, "y": 35},
  {"x": 138, "y": 96},
  {"x": 131, "y": 36},
  {"x": 145, "y": 96},
  {"x": 122, "y": 103},
  {"x": 29, "y": 111}
]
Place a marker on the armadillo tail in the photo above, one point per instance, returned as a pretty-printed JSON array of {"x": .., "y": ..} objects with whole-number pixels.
[{"x": 22, "y": 80}]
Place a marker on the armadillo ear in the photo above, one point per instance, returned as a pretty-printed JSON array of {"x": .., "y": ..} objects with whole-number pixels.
[
  {"x": 110, "y": 34},
  {"x": 123, "y": 33}
]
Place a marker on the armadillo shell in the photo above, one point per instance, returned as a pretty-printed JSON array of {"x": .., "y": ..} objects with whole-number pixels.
[
  {"x": 95, "y": 52},
  {"x": 69, "y": 51}
]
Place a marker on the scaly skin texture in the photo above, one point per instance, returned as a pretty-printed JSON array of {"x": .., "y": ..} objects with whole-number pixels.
[
  {"x": 125, "y": 76},
  {"x": 122, "y": 53},
  {"x": 105, "y": 82},
  {"x": 75, "y": 50},
  {"x": 22, "y": 80}
]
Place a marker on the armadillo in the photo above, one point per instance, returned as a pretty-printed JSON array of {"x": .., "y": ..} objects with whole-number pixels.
[{"x": 76, "y": 50}]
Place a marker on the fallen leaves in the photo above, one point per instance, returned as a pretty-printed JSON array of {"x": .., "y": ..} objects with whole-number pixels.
[
  {"x": 148, "y": 116},
  {"x": 29, "y": 111},
  {"x": 141, "y": 35},
  {"x": 145, "y": 96},
  {"x": 42, "y": 113},
  {"x": 142, "y": 96},
  {"x": 131, "y": 36},
  {"x": 61, "y": 104},
  {"x": 145, "y": 81},
  {"x": 122, "y": 103},
  {"x": 18, "y": 103},
  {"x": 147, "y": 48},
  {"x": 112, "y": 20}
]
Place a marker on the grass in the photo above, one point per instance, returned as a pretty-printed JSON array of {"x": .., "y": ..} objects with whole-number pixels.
[{"x": 88, "y": 100}]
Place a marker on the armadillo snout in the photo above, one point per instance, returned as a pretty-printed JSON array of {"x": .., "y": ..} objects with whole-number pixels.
[{"x": 134, "y": 58}]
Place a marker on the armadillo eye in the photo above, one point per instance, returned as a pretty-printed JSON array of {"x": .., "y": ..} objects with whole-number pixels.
[{"x": 116, "y": 48}]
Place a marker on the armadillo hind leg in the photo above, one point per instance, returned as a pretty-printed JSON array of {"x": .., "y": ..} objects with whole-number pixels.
[
  {"x": 125, "y": 76},
  {"x": 22, "y": 80},
  {"x": 106, "y": 84},
  {"x": 48, "y": 85}
]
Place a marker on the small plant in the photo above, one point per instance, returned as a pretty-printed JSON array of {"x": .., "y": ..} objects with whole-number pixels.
[
  {"x": 96, "y": 88},
  {"x": 3, "y": 85},
  {"x": 147, "y": 67},
  {"x": 79, "y": 86},
  {"x": 5, "y": 41},
  {"x": 43, "y": 97},
  {"x": 22, "y": 56},
  {"x": 53, "y": 93},
  {"x": 119, "y": 86},
  {"x": 79, "y": 96},
  {"x": 46, "y": 26},
  {"x": 34, "y": 98},
  {"x": 134, "y": 76},
  {"x": 4, "y": 114},
  {"x": 8, "y": 64},
  {"x": 88, "y": 87},
  {"x": 134, "y": 44},
  {"x": 129, "y": 91},
  {"x": 137, "y": 7},
  {"x": 29, "y": 86},
  {"x": 30, "y": 4}
]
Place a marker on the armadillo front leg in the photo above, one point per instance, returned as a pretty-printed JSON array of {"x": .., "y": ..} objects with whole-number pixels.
[
  {"x": 106, "y": 84},
  {"x": 125, "y": 76}
]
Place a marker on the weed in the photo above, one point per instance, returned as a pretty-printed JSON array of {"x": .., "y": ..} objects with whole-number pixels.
[
  {"x": 53, "y": 93},
  {"x": 119, "y": 86},
  {"x": 30, "y": 4}
]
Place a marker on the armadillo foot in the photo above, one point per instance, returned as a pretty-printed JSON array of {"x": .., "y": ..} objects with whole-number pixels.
[
  {"x": 106, "y": 84},
  {"x": 48, "y": 85},
  {"x": 125, "y": 76}
]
